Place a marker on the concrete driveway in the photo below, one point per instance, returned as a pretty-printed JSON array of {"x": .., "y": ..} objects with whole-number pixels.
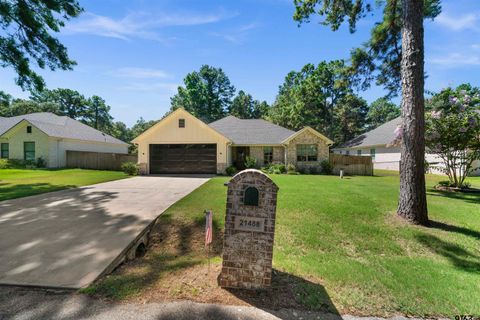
[{"x": 68, "y": 238}]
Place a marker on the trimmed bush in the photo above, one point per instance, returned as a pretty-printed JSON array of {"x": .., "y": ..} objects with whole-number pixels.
[
  {"x": 250, "y": 162},
  {"x": 130, "y": 168},
  {"x": 291, "y": 167},
  {"x": 277, "y": 168},
  {"x": 232, "y": 170},
  {"x": 326, "y": 167},
  {"x": 12, "y": 164},
  {"x": 41, "y": 163}
]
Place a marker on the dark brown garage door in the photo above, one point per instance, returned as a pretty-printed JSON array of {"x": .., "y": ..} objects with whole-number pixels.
[{"x": 183, "y": 158}]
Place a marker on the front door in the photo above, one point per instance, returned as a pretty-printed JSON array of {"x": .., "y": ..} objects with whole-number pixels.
[{"x": 240, "y": 156}]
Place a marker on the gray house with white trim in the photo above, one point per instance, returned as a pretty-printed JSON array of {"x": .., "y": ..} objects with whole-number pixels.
[
  {"x": 376, "y": 143},
  {"x": 48, "y": 136}
]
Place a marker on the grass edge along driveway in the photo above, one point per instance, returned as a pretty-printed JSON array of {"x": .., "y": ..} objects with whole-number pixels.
[
  {"x": 17, "y": 183},
  {"x": 341, "y": 234}
]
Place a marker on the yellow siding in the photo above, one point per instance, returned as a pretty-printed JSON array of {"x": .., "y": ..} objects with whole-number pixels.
[
  {"x": 195, "y": 131},
  {"x": 18, "y": 135}
]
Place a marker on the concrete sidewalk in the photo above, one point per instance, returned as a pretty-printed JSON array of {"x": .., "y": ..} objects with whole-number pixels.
[
  {"x": 28, "y": 304},
  {"x": 68, "y": 238}
]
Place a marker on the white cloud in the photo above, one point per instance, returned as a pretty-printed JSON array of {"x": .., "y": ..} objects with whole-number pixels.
[
  {"x": 456, "y": 59},
  {"x": 465, "y": 22},
  {"x": 139, "y": 73},
  {"x": 138, "y": 24},
  {"x": 237, "y": 35}
]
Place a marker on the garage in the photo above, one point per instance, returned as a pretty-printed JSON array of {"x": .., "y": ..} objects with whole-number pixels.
[{"x": 183, "y": 158}]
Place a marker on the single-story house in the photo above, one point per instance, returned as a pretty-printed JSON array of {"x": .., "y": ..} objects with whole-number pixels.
[
  {"x": 181, "y": 143},
  {"x": 376, "y": 143},
  {"x": 48, "y": 136}
]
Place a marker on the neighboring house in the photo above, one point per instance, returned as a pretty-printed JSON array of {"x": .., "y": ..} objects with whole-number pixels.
[
  {"x": 48, "y": 136},
  {"x": 375, "y": 143},
  {"x": 181, "y": 143}
]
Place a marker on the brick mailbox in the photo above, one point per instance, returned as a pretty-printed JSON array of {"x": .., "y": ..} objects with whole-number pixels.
[{"x": 249, "y": 231}]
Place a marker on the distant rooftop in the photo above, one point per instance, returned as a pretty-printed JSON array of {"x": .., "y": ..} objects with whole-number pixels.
[
  {"x": 251, "y": 131},
  {"x": 381, "y": 135},
  {"x": 59, "y": 127}
]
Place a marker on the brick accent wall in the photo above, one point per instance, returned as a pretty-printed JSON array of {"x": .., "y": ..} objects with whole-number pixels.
[
  {"x": 257, "y": 153},
  {"x": 247, "y": 254},
  {"x": 307, "y": 138},
  {"x": 278, "y": 154}
]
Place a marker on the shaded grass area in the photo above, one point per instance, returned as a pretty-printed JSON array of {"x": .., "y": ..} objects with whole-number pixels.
[
  {"x": 338, "y": 246},
  {"x": 17, "y": 183}
]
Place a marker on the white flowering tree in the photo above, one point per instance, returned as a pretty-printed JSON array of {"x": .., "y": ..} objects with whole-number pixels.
[{"x": 453, "y": 130}]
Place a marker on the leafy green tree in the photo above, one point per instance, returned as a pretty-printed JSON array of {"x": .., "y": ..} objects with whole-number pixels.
[
  {"x": 453, "y": 130},
  {"x": 394, "y": 54},
  {"x": 26, "y": 36},
  {"x": 350, "y": 115},
  {"x": 310, "y": 96},
  {"x": 98, "y": 114},
  {"x": 381, "y": 111},
  {"x": 207, "y": 94},
  {"x": 120, "y": 131},
  {"x": 242, "y": 105},
  {"x": 5, "y": 99},
  {"x": 260, "y": 109},
  {"x": 70, "y": 102},
  {"x": 141, "y": 126},
  {"x": 20, "y": 107}
]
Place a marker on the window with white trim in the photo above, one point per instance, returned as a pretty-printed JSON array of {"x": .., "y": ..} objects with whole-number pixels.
[
  {"x": 29, "y": 151},
  {"x": 4, "y": 151},
  {"x": 307, "y": 152}
]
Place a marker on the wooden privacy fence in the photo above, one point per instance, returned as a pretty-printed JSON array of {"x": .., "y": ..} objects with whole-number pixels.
[
  {"x": 352, "y": 165},
  {"x": 98, "y": 160}
]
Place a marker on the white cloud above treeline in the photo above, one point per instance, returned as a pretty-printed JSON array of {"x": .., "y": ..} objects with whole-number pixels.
[{"x": 140, "y": 24}]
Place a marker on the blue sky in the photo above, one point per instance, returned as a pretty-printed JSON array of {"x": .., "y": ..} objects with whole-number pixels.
[{"x": 135, "y": 53}]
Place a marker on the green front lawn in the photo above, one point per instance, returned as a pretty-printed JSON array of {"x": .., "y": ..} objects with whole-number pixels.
[
  {"x": 342, "y": 236},
  {"x": 16, "y": 183}
]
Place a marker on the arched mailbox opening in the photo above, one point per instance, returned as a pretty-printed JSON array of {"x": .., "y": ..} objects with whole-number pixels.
[{"x": 250, "y": 197}]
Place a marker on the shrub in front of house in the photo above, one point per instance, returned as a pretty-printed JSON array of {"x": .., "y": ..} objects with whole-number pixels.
[
  {"x": 274, "y": 168},
  {"x": 250, "y": 162},
  {"x": 13, "y": 164},
  {"x": 130, "y": 168},
  {"x": 41, "y": 163},
  {"x": 232, "y": 170},
  {"x": 314, "y": 170},
  {"x": 326, "y": 167},
  {"x": 291, "y": 167}
]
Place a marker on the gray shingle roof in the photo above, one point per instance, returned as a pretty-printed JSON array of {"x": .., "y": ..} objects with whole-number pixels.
[
  {"x": 251, "y": 131},
  {"x": 381, "y": 135},
  {"x": 59, "y": 127}
]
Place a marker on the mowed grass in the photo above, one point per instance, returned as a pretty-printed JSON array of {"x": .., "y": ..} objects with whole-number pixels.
[
  {"x": 16, "y": 183},
  {"x": 343, "y": 234}
]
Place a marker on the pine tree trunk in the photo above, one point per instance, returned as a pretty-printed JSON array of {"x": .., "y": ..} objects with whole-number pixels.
[{"x": 413, "y": 202}]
